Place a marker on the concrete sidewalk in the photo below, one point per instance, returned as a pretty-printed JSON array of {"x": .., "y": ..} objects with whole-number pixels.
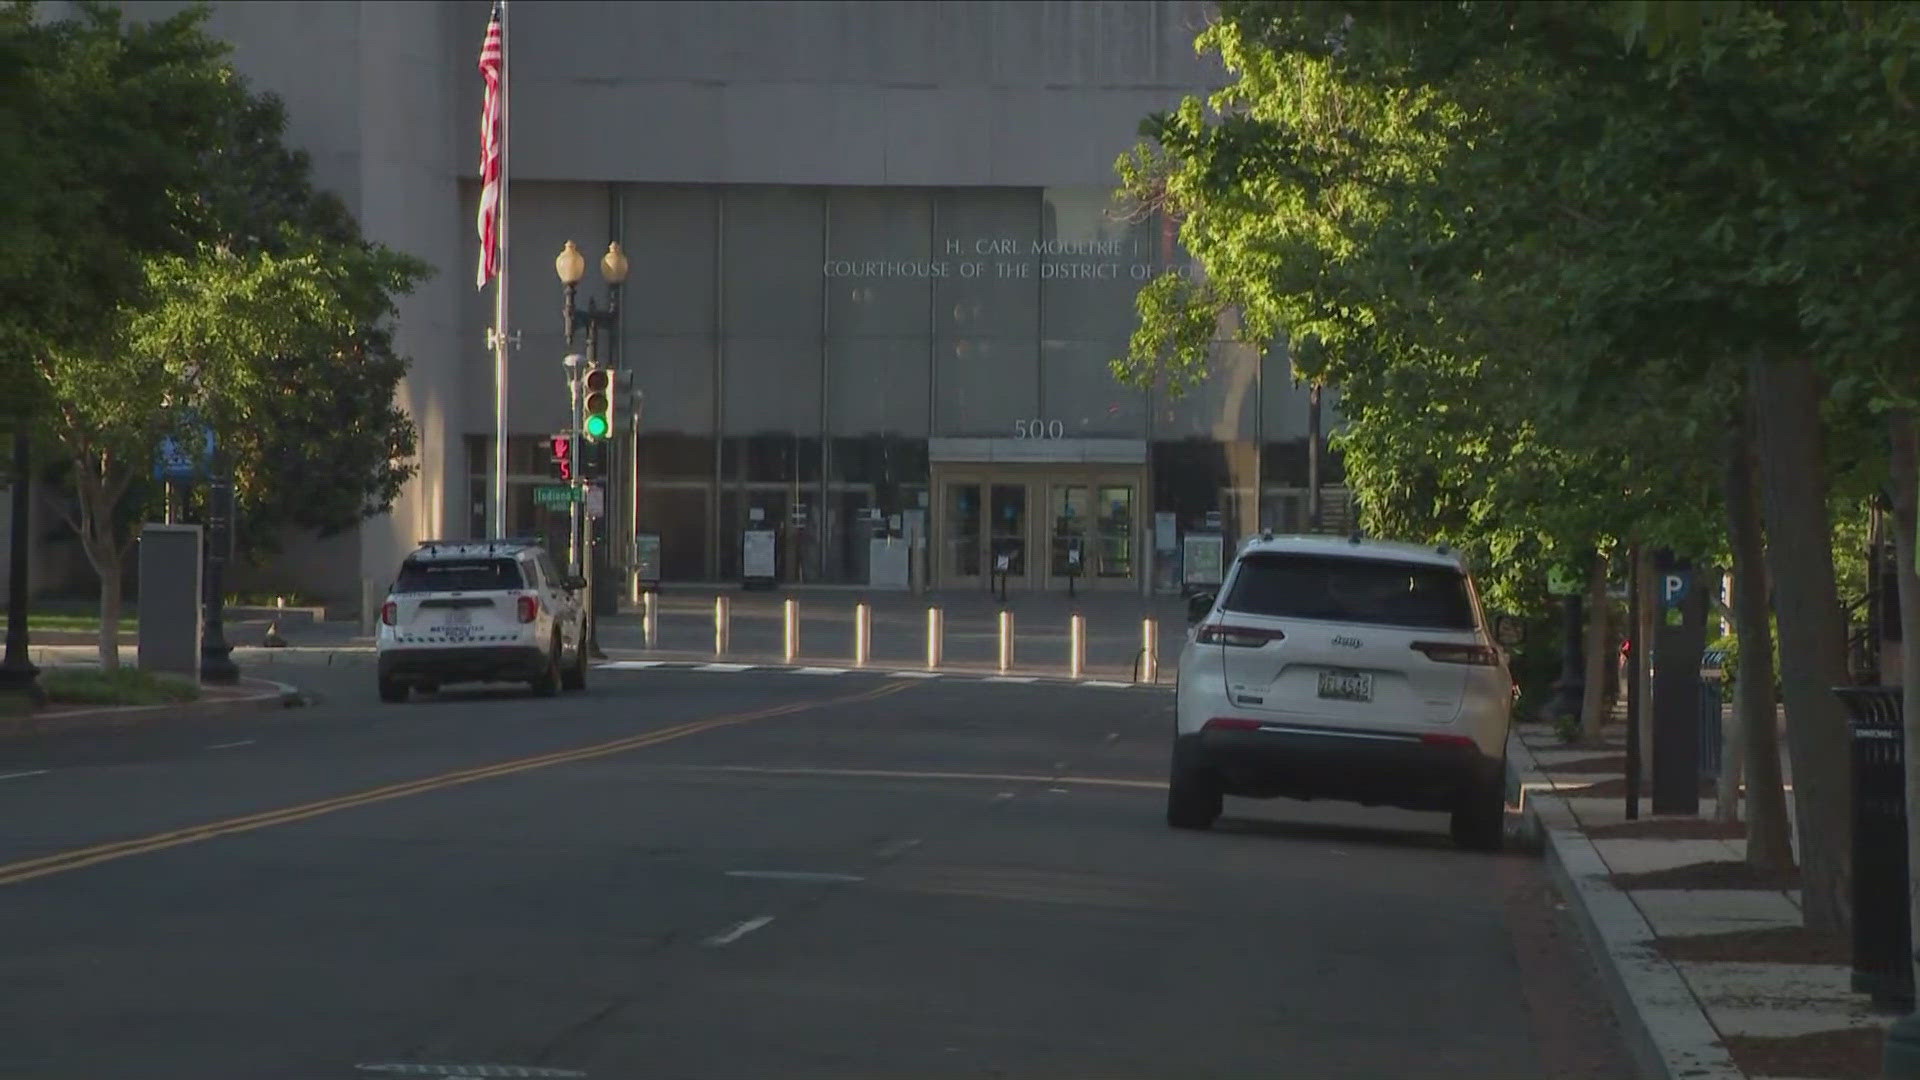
[{"x": 1697, "y": 1019}]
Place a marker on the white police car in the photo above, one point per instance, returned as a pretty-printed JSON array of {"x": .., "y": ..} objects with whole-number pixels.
[
  {"x": 481, "y": 611},
  {"x": 1354, "y": 670}
]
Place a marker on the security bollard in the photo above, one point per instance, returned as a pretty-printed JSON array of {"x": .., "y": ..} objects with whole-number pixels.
[
  {"x": 650, "y": 618},
  {"x": 722, "y": 624},
  {"x": 1006, "y": 641},
  {"x": 936, "y": 637},
  {"x": 790, "y": 629},
  {"x": 1149, "y": 667},
  {"x": 862, "y": 634},
  {"x": 1076, "y": 646}
]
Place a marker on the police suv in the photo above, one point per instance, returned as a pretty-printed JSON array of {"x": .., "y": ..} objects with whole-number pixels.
[{"x": 481, "y": 611}]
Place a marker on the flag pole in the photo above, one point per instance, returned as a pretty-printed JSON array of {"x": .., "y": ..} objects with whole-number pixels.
[{"x": 500, "y": 341}]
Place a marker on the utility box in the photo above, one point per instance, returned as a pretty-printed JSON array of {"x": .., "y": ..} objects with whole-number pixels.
[{"x": 170, "y": 569}]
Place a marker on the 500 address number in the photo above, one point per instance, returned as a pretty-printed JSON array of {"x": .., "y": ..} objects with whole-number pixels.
[{"x": 1039, "y": 429}]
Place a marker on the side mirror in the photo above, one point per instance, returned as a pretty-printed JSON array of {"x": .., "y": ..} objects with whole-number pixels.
[
  {"x": 1198, "y": 605},
  {"x": 1508, "y": 630},
  {"x": 574, "y": 583}
]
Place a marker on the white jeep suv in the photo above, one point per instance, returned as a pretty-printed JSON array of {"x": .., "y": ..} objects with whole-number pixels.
[
  {"x": 481, "y": 611},
  {"x": 1344, "y": 669}
]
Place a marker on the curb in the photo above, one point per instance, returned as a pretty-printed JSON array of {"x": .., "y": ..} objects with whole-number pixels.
[
  {"x": 1667, "y": 1032},
  {"x": 271, "y": 695}
]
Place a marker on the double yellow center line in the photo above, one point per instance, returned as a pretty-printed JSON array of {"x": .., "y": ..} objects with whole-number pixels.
[{"x": 60, "y": 862}]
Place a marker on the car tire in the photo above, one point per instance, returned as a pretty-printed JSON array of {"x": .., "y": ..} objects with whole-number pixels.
[
  {"x": 1194, "y": 799},
  {"x": 547, "y": 683},
  {"x": 575, "y": 677},
  {"x": 392, "y": 691},
  {"x": 1479, "y": 822}
]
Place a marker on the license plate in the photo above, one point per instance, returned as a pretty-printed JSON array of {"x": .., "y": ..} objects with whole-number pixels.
[
  {"x": 1346, "y": 685},
  {"x": 459, "y": 617}
]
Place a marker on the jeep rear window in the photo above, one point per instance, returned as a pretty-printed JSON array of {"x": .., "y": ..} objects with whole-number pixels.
[
  {"x": 1351, "y": 590},
  {"x": 457, "y": 575}
]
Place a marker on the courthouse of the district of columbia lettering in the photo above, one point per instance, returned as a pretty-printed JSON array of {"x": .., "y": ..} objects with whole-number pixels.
[{"x": 877, "y": 274}]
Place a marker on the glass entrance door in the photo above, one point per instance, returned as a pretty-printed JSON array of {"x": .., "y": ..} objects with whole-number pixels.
[
  {"x": 1008, "y": 532},
  {"x": 1070, "y": 507},
  {"x": 960, "y": 533}
]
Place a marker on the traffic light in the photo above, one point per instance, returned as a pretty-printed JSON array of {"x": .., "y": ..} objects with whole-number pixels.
[
  {"x": 562, "y": 448},
  {"x": 598, "y": 421}
]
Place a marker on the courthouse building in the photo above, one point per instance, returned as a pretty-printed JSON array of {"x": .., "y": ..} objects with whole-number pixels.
[{"x": 877, "y": 277}]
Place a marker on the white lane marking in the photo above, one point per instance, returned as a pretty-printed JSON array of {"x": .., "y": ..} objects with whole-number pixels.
[
  {"x": 629, "y": 665},
  {"x": 913, "y": 674},
  {"x": 18, "y": 775},
  {"x": 819, "y": 671},
  {"x": 801, "y": 876},
  {"x": 895, "y": 848},
  {"x": 1003, "y": 796},
  {"x": 229, "y": 745},
  {"x": 1107, "y": 684},
  {"x": 738, "y": 930},
  {"x": 1011, "y": 679},
  {"x": 725, "y": 667},
  {"x": 1056, "y": 791}
]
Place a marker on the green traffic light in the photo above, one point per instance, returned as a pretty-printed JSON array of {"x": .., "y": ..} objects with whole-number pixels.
[{"x": 597, "y": 427}]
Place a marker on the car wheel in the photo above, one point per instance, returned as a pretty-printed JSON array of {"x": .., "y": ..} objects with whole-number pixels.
[
  {"x": 392, "y": 691},
  {"x": 1194, "y": 799},
  {"x": 1479, "y": 823},
  {"x": 547, "y": 683},
  {"x": 575, "y": 677}
]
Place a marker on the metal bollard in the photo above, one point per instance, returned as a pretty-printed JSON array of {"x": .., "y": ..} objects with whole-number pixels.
[
  {"x": 1006, "y": 641},
  {"x": 790, "y": 629},
  {"x": 650, "y": 618},
  {"x": 722, "y": 624},
  {"x": 1149, "y": 666},
  {"x": 862, "y": 633},
  {"x": 1076, "y": 646},
  {"x": 936, "y": 637}
]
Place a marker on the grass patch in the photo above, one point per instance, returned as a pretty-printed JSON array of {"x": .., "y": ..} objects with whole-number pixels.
[
  {"x": 127, "y": 686},
  {"x": 75, "y": 621}
]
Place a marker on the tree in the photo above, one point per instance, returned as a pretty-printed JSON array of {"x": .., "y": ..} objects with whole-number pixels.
[
  {"x": 1500, "y": 189},
  {"x": 250, "y": 284}
]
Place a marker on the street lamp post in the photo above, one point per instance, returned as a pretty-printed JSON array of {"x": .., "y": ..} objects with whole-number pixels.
[
  {"x": 216, "y": 654},
  {"x": 17, "y": 673},
  {"x": 591, "y": 547}
]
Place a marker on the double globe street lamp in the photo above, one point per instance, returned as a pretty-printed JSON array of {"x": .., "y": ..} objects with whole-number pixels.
[{"x": 592, "y": 391}]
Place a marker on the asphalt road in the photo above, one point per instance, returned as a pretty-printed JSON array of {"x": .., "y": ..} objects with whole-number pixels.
[{"x": 685, "y": 874}]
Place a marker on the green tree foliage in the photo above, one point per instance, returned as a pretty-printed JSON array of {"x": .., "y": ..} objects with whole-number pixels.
[
  {"x": 225, "y": 291},
  {"x": 1547, "y": 271}
]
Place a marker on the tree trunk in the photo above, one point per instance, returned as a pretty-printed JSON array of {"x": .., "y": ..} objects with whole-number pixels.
[
  {"x": 1904, "y": 476},
  {"x": 1593, "y": 702},
  {"x": 1769, "y": 845},
  {"x": 110, "y": 615},
  {"x": 1787, "y": 397}
]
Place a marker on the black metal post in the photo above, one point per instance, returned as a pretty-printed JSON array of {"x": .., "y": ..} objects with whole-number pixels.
[
  {"x": 17, "y": 673},
  {"x": 216, "y": 655},
  {"x": 1636, "y": 657}
]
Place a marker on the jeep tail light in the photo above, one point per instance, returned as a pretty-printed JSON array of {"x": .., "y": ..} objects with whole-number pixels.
[
  {"x": 529, "y": 608},
  {"x": 1246, "y": 637},
  {"x": 387, "y": 612},
  {"x": 1441, "y": 653}
]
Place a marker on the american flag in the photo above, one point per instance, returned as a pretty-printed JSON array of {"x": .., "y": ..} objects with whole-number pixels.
[{"x": 491, "y": 58}]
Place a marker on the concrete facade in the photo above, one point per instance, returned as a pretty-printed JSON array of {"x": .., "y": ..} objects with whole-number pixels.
[{"x": 670, "y": 126}]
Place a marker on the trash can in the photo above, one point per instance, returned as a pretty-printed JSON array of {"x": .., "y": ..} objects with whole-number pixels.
[
  {"x": 1882, "y": 936},
  {"x": 1712, "y": 694}
]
